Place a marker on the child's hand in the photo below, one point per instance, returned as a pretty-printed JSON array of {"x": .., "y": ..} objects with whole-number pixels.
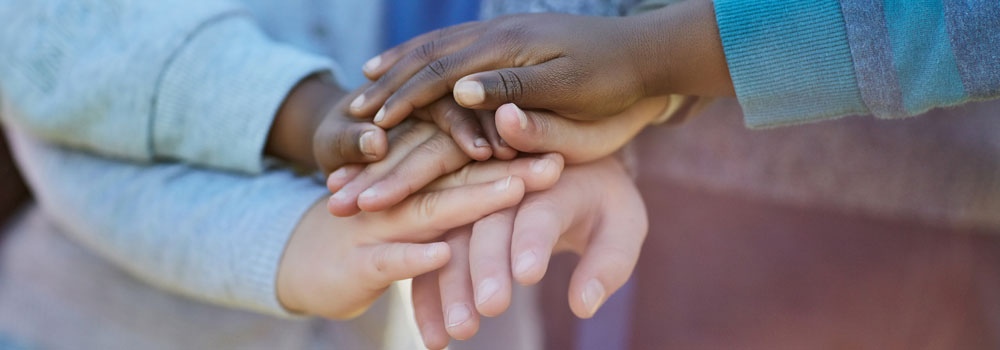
[
  {"x": 594, "y": 211},
  {"x": 580, "y": 67},
  {"x": 314, "y": 130},
  {"x": 582, "y": 61},
  {"x": 420, "y": 154},
  {"x": 336, "y": 267},
  {"x": 578, "y": 141}
]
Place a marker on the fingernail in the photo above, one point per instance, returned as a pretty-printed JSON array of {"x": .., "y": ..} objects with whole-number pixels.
[
  {"x": 380, "y": 115},
  {"x": 458, "y": 314},
  {"x": 593, "y": 295},
  {"x": 538, "y": 166},
  {"x": 339, "y": 174},
  {"x": 432, "y": 251},
  {"x": 367, "y": 143},
  {"x": 358, "y": 101},
  {"x": 522, "y": 118},
  {"x": 470, "y": 93},
  {"x": 340, "y": 195},
  {"x": 369, "y": 193},
  {"x": 481, "y": 142},
  {"x": 487, "y": 288},
  {"x": 372, "y": 64},
  {"x": 502, "y": 185},
  {"x": 524, "y": 262}
]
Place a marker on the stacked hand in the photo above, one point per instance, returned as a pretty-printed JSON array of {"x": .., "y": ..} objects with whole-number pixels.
[{"x": 558, "y": 88}]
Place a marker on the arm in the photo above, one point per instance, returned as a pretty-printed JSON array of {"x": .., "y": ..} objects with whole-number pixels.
[
  {"x": 889, "y": 58},
  {"x": 213, "y": 236},
  {"x": 788, "y": 62},
  {"x": 186, "y": 79},
  {"x": 221, "y": 237}
]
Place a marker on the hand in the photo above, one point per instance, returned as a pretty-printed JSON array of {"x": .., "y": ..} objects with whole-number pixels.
[
  {"x": 579, "y": 67},
  {"x": 314, "y": 130},
  {"x": 420, "y": 153},
  {"x": 594, "y": 210},
  {"x": 578, "y": 141},
  {"x": 576, "y": 66},
  {"x": 336, "y": 267}
]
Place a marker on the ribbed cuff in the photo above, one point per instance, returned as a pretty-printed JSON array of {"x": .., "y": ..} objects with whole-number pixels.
[
  {"x": 220, "y": 93},
  {"x": 789, "y": 59}
]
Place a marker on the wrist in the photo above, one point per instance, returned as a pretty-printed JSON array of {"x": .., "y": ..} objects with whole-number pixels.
[
  {"x": 678, "y": 51},
  {"x": 291, "y": 135}
]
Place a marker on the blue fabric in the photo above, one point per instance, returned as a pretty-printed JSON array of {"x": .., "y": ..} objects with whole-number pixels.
[
  {"x": 409, "y": 18},
  {"x": 789, "y": 59},
  {"x": 868, "y": 35},
  {"x": 928, "y": 73},
  {"x": 974, "y": 27}
]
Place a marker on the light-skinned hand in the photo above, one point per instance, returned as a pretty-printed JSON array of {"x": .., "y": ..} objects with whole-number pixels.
[{"x": 594, "y": 210}]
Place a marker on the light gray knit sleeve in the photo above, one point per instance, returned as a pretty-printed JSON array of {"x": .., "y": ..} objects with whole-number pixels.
[
  {"x": 213, "y": 236},
  {"x": 189, "y": 80}
]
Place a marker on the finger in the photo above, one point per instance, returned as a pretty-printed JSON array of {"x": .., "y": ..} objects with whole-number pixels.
[
  {"x": 339, "y": 143},
  {"x": 501, "y": 150},
  {"x": 435, "y": 157},
  {"x": 433, "y": 81},
  {"x": 375, "y": 67},
  {"x": 537, "y": 228},
  {"x": 422, "y": 56},
  {"x": 461, "y": 321},
  {"x": 342, "y": 176},
  {"x": 425, "y": 216},
  {"x": 539, "y": 173},
  {"x": 609, "y": 259},
  {"x": 489, "y": 254},
  {"x": 382, "y": 264},
  {"x": 548, "y": 85},
  {"x": 579, "y": 141},
  {"x": 462, "y": 124},
  {"x": 427, "y": 311},
  {"x": 406, "y": 137}
]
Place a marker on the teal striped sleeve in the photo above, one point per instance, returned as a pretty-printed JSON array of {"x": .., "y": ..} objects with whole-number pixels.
[
  {"x": 915, "y": 55},
  {"x": 795, "y": 61},
  {"x": 790, "y": 60}
]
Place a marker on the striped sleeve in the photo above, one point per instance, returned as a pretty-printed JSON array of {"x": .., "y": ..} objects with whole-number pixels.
[{"x": 795, "y": 61}]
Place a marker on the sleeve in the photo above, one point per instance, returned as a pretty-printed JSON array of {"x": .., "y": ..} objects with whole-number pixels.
[
  {"x": 189, "y": 80},
  {"x": 796, "y": 61},
  {"x": 212, "y": 236}
]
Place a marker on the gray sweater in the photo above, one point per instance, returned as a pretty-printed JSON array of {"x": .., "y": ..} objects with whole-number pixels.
[{"x": 197, "y": 81}]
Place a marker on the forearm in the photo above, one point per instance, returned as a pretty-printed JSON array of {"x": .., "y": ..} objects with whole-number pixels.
[
  {"x": 678, "y": 51},
  {"x": 191, "y": 80},
  {"x": 291, "y": 135},
  {"x": 212, "y": 236}
]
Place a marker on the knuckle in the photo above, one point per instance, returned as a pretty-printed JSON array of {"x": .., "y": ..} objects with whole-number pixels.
[
  {"x": 509, "y": 87},
  {"x": 437, "y": 69},
  {"x": 438, "y": 146},
  {"x": 380, "y": 259},
  {"x": 427, "y": 207},
  {"x": 426, "y": 52}
]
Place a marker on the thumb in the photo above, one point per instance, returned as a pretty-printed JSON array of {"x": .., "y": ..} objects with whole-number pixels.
[
  {"x": 578, "y": 141},
  {"x": 342, "y": 142},
  {"x": 539, "y": 86}
]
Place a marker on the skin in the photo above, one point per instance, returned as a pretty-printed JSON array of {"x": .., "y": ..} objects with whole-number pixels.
[
  {"x": 421, "y": 152},
  {"x": 357, "y": 258},
  {"x": 579, "y": 67},
  {"x": 606, "y": 227},
  {"x": 313, "y": 129}
]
